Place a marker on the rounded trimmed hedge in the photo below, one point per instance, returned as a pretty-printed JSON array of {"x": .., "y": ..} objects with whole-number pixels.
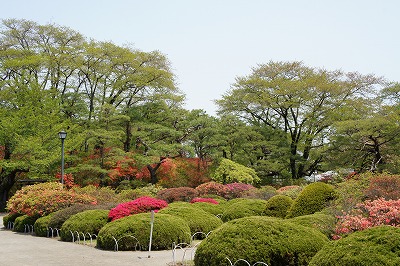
[
  {"x": 21, "y": 221},
  {"x": 10, "y": 217},
  {"x": 197, "y": 219},
  {"x": 374, "y": 246},
  {"x": 42, "y": 224},
  {"x": 243, "y": 208},
  {"x": 278, "y": 206},
  {"x": 214, "y": 209},
  {"x": 324, "y": 223},
  {"x": 267, "y": 239},
  {"x": 59, "y": 217},
  {"x": 313, "y": 198},
  {"x": 167, "y": 230},
  {"x": 90, "y": 221}
]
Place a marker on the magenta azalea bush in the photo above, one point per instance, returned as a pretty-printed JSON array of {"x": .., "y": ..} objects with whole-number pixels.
[
  {"x": 43, "y": 199},
  {"x": 207, "y": 200},
  {"x": 139, "y": 205},
  {"x": 236, "y": 190},
  {"x": 369, "y": 214}
]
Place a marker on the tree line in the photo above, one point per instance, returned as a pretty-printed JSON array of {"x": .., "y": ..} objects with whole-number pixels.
[{"x": 121, "y": 104}]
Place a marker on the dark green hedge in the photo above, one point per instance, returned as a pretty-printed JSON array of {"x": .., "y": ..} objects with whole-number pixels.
[
  {"x": 197, "y": 219},
  {"x": 10, "y": 217},
  {"x": 23, "y": 220},
  {"x": 167, "y": 230},
  {"x": 271, "y": 240},
  {"x": 243, "y": 208},
  {"x": 374, "y": 246},
  {"x": 325, "y": 223},
  {"x": 42, "y": 225},
  {"x": 278, "y": 206},
  {"x": 209, "y": 207},
  {"x": 313, "y": 198},
  {"x": 90, "y": 221}
]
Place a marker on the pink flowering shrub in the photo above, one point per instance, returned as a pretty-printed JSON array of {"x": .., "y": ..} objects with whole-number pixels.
[
  {"x": 384, "y": 186},
  {"x": 207, "y": 200},
  {"x": 139, "y": 205},
  {"x": 369, "y": 214},
  {"x": 177, "y": 194},
  {"x": 43, "y": 199},
  {"x": 236, "y": 190},
  {"x": 212, "y": 188}
]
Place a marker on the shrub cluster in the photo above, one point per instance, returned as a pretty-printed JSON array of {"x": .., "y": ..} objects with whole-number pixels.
[
  {"x": 290, "y": 191},
  {"x": 197, "y": 219},
  {"x": 374, "y": 246},
  {"x": 85, "y": 222},
  {"x": 265, "y": 193},
  {"x": 139, "y": 205},
  {"x": 23, "y": 220},
  {"x": 103, "y": 195},
  {"x": 131, "y": 194},
  {"x": 278, "y": 206},
  {"x": 10, "y": 217},
  {"x": 242, "y": 208},
  {"x": 42, "y": 224},
  {"x": 212, "y": 188},
  {"x": 207, "y": 200},
  {"x": 214, "y": 209},
  {"x": 384, "y": 186},
  {"x": 267, "y": 239},
  {"x": 167, "y": 230},
  {"x": 177, "y": 194},
  {"x": 45, "y": 198},
  {"x": 312, "y": 198},
  {"x": 237, "y": 190},
  {"x": 325, "y": 223}
]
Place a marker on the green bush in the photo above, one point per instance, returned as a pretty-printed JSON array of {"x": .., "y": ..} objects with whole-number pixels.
[
  {"x": 374, "y": 246},
  {"x": 167, "y": 230},
  {"x": 23, "y": 220},
  {"x": 312, "y": 198},
  {"x": 42, "y": 224},
  {"x": 90, "y": 221},
  {"x": 10, "y": 217},
  {"x": 325, "y": 223},
  {"x": 264, "y": 192},
  {"x": 242, "y": 208},
  {"x": 197, "y": 219},
  {"x": 271, "y": 240},
  {"x": 209, "y": 207},
  {"x": 278, "y": 206}
]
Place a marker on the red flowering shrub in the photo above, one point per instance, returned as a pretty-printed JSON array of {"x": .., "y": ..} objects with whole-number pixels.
[
  {"x": 139, "y": 205},
  {"x": 369, "y": 214},
  {"x": 212, "y": 188},
  {"x": 177, "y": 194},
  {"x": 384, "y": 186},
  {"x": 207, "y": 200},
  {"x": 43, "y": 199},
  {"x": 236, "y": 190},
  {"x": 68, "y": 180}
]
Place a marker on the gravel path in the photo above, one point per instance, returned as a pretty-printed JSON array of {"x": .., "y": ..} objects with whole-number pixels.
[{"x": 17, "y": 249}]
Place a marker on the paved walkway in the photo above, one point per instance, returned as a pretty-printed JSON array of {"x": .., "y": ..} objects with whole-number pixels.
[{"x": 17, "y": 249}]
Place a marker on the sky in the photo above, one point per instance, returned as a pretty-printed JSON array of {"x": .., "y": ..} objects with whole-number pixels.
[{"x": 211, "y": 42}]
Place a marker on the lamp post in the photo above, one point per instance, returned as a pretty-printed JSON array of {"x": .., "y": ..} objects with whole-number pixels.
[{"x": 62, "y": 135}]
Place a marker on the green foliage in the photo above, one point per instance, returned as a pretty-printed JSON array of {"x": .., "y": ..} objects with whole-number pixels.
[
  {"x": 243, "y": 208},
  {"x": 101, "y": 194},
  {"x": 197, "y": 219},
  {"x": 271, "y": 240},
  {"x": 90, "y": 221},
  {"x": 167, "y": 230},
  {"x": 131, "y": 194},
  {"x": 278, "y": 206},
  {"x": 209, "y": 207},
  {"x": 290, "y": 191},
  {"x": 231, "y": 172},
  {"x": 374, "y": 246},
  {"x": 23, "y": 220},
  {"x": 264, "y": 192},
  {"x": 42, "y": 224},
  {"x": 10, "y": 217},
  {"x": 312, "y": 198},
  {"x": 325, "y": 223}
]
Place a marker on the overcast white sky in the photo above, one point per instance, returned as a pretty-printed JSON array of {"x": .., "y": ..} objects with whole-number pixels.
[{"x": 210, "y": 42}]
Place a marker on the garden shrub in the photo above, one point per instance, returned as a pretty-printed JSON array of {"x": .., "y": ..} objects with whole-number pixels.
[
  {"x": 90, "y": 221},
  {"x": 42, "y": 224},
  {"x": 230, "y": 172},
  {"x": 197, "y": 219},
  {"x": 167, "y": 230},
  {"x": 264, "y": 192},
  {"x": 23, "y": 220},
  {"x": 177, "y": 194},
  {"x": 369, "y": 214},
  {"x": 45, "y": 198},
  {"x": 103, "y": 195},
  {"x": 243, "y": 208},
  {"x": 131, "y": 194},
  {"x": 139, "y": 205},
  {"x": 290, "y": 191},
  {"x": 312, "y": 198},
  {"x": 278, "y": 206},
  {"x": 211, "y": 188},
  {"x": 384, "y": 186},
  {"x": 325, "y": 223},
  {"x": 267, "y": 239},
  {"x": 374, "y": 246},
  {"x": 237, "y": 190},
  {"x": 207, "y": 200},
  {"x": 214, "y": 209},
  {"x": 10, "y": 217}
]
